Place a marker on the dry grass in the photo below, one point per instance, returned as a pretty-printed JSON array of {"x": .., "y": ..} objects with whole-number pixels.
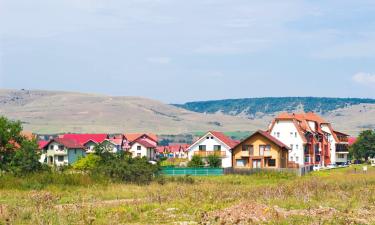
[{"x": 332, "y": 197}]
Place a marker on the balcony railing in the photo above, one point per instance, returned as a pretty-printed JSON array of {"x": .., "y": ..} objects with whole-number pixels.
[{"x": 208, "y": 153}]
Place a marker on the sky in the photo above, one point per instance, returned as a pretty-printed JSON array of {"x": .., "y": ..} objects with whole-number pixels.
[{"x": 177, "y": 51}]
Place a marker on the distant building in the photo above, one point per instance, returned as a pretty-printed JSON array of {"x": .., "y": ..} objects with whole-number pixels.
[
  {"x": 141, "y": 145},
  {"x": 173, "y": 150},
  {"x": 62, "y": 151}
]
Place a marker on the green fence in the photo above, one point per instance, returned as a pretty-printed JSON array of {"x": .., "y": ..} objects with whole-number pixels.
[{"x": 170, "y": 171}]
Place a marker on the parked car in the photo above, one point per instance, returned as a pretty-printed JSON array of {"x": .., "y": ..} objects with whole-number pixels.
[{"x": 331, "y": 166}]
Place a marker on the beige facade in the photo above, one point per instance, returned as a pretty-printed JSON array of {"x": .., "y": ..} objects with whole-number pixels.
[{"x": 260, "y": 150}]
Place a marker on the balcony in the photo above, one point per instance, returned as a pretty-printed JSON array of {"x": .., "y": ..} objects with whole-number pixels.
[
  {"x": 208, "y": 153},
  {"x": 342, "y": 148}
]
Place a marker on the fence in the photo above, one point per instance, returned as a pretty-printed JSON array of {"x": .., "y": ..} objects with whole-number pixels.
[
  {"x": 247, "y": 171},
  {"x": 170, "y": 171}
]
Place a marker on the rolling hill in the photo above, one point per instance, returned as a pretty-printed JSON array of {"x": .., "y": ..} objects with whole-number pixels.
[{"x": 55, "y": 112}]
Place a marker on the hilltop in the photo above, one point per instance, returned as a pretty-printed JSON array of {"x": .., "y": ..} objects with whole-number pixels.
[
  {"x": 252, "y": 107},
  {"x": 55, "y": 112}
]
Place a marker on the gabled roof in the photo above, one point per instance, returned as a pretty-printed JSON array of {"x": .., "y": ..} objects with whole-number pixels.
[
  {"x": 42, "y": 144},
  {"x": 175, "y": 147},
  {"x": 268, "y": 136},
  {"x": 221, "y": 137},
  {"x": 84, "y": 138},
  {"x": 68, "y": 143},
  {"x": 145, "y": 143},
  {"x": 134, "y": 136}
]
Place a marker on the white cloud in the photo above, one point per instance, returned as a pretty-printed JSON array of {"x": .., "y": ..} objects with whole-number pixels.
[
  {"x": 159, "y": 60},
  {"x": 364, "y": 78}
]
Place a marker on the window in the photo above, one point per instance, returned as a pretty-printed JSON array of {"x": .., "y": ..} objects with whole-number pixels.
[
  {"x": 51, "y": 147},
  {"x": 240, "y": 163},
  {"x": 297, "y": 147},
  {"x": 291, "y": 146},
  {"x": 291, "y": 158},
  {"x": 291, "y": 134},
  {"x": 278, "y": 134},
  {"x": 207, "y": 137},
  {"x": 341, "y": 156},
  {"x": 61, "y": 147},
  {"x": 248, "y": 148},
  {"x": 202, "y": 147},
  {"x": 263, "y": 149},
  {"x": 271, "y": 162},
  {"x": 139, "y": 147},
  {"x": 212, "y": 137},
  {"x": 60, "y": 158},
  {"x": 217, "y": 147},
  {"x": 295, "y": 134},
  {"x": 75, "y": 151},
  {"x": 139, "y": 154},
  {"x": 297, "y": 158}
]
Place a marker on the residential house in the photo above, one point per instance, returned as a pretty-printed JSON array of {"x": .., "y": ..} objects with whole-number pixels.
[
  {"x": 213, "y": 143},
  {"x": 113, "y": 145},
  {"x": 311, "y": 139},
  {"x": 141, "y": 145},
  {"x": 63, "y": 151},
  {"x": 260, "y": 150},
  {"x": 173, "y": 150},
  {"x": 87, "y": 140}
]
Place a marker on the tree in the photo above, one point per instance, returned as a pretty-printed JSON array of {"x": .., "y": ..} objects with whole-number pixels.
[
  {"x": 214, "y": 161},
  {"x": 196, "y": 161},
  {"x": 26, "y": 159},
  {"x": 10, "y": 136},
  {"x": 364, "y": 147}
]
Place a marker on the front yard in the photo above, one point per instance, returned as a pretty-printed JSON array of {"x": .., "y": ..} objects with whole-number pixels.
[{"x": 339, "y": 196}]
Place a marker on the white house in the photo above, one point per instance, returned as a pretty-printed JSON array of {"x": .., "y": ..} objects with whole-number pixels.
[
  {"x": 213, "y": 143},
  {"x": 311, "y": 139},
  {"x": 61, "y": 151},
  {"x": 142, "y": 146}
]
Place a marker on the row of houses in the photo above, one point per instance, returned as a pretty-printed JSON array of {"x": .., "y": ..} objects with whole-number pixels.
[{"x": 291, "y": 140}]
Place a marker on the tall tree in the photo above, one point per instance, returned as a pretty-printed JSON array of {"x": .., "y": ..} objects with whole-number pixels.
[{"x": 364, "y": 147}]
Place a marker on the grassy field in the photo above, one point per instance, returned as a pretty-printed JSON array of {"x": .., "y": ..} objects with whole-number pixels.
[{"x": 342, "y": 196}]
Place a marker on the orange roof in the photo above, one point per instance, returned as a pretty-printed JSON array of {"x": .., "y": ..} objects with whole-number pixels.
[
  {"x": 310, "y": 116},
  {"x": 134, "y": 136},
  {"x": 269, "y": 137}
]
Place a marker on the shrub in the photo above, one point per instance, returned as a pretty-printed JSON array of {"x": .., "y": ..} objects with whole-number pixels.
[
  {"x": 87, "y": 163},
  {"x": 128, "y": 169},
  {"x": 214, "y": 161},
  {"x": 196, "y": 161}
]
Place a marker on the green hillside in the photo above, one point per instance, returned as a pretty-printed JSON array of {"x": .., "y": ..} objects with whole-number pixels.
[{"x": 251, "y": 106}]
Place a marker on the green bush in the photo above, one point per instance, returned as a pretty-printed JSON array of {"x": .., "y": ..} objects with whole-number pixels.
[
  {"x": 214, "y": 161},
  {"x": 196, "y": 161},
  {"x": 128, "y": 169},
  {"x": 87, "y": 163}
]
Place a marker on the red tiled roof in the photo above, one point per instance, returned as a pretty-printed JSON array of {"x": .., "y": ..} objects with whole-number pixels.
[
  {"x": 69, "y": 143},
  {"x": 84, "y": 138},
  {"x": 135, "y": 136},
  {"x": 268, "y": 136},
  {"x": 352, "y": 140},
  {"x": 42, "y": 144},
  {"x": 145, "y": 143},
  {"x": 225, "y": 139}
]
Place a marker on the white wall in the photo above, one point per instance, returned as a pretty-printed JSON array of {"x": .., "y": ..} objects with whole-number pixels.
[
  {"x": 143, "y": 152},
  {"x": 332, "y": 142},
  {"x": 53, "y": 150},
  {"x": 226, "y": 161},
  {"x": 286, "y": 132}
]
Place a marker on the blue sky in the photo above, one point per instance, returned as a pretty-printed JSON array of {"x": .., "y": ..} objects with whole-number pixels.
[{"x": 178, "y": 50}]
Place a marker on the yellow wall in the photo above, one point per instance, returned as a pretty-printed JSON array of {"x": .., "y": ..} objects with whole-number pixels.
[{"x": 257, "y": 140}]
